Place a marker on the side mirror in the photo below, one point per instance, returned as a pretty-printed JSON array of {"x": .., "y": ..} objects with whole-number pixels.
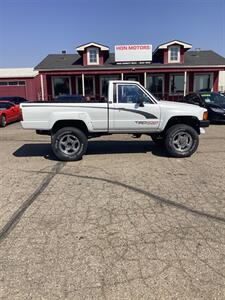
[{"x": 140, "y": 102}]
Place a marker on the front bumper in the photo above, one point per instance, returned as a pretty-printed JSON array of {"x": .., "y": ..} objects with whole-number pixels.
[{"x": 204, "y": 123}]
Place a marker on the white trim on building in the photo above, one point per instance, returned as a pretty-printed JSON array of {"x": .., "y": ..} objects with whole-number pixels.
[
  {"x": 166, "y": 45},
  {"x": 83, "y": 47},
  {"x": 174, "y": 54},
  {"x": 90, "y": 56},
  {"x": 221, "y": 81}
]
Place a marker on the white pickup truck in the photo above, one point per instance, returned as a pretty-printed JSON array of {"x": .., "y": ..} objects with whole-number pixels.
[{"x": 129, "y": 109}]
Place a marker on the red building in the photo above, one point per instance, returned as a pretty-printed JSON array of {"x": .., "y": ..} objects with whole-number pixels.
[
  {"x": 170, "y": 72},
  {"x": 21, "y": 82}
]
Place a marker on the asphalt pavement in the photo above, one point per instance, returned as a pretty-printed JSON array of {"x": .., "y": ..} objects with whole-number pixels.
[{"x": 125, "y": 222}]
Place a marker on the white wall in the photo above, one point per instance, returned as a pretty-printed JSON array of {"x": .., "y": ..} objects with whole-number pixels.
[{"x": 222, "y": 81}]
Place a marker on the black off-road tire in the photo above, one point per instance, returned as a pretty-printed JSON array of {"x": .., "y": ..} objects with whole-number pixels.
[
  {"x": 2, "y": 121},
  {"x": 69, "y": 144},
  {"x": 188, "y": 135}
]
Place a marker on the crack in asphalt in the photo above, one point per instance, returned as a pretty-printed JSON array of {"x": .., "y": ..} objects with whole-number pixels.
[
  {"x": 157, "y": 198},
  {"x": 15, "y": 218},
  {"x": 17, "y": 215}
]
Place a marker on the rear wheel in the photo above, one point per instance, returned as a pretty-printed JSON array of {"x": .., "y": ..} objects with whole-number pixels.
[
  {"x": 181, "y": 140},
  {"x": 2, "y": 121},
  {"x": 69, "y": 144}
]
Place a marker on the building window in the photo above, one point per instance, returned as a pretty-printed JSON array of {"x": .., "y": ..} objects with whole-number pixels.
[
  {"x": 174, "y": 54},
  {"x": 93, "y": 56},
  {"x": 176, "y": 84},
  {"x": 14, "y": 83},
  {"x": 89, "y": 85},
  {"x": 154, "y": 84},
  {"x": 104, "y": 82},
  {"x": 132, "y": 77},
  {"x": 203, "y": 82},
  {"x": 61, "y": 85}
]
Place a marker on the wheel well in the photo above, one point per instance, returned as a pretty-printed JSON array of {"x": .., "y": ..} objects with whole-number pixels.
[
  {"x": 69, "y": 123},
  {"x": 188, "y": 120}
]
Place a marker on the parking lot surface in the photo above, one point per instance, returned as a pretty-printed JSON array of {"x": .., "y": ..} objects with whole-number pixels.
[{"x": 126, "y": 222}]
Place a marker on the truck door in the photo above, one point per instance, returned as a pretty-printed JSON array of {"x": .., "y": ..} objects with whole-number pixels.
[{"x": 133, "y": 110}]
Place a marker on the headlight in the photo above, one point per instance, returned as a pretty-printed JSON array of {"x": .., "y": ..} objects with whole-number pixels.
[{"x": 218, "y": 110}]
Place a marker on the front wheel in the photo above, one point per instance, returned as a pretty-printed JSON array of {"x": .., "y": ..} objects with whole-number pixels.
[
  {"x": 2, "y": 121},
  {"x": 69, "y": 144},
  {"x": 181, "y": 140}
]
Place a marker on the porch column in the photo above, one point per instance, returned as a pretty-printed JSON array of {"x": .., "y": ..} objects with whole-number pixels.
[
  {"x": 185, "y": 83},
  {"x": 121, "y": 76},
  {"x": 215, "y": 81},
  {"x": 145, "y": 79},
  {"x": 83, "y": 86},
  {"x": 42, "y": 88}
]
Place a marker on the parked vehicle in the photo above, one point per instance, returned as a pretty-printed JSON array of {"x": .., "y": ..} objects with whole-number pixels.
[
  {"x": 130, "y": 109},
  {"x": 9, "y": 112},
  {"x": 14, "y": 99},
  {"x": 70, "y": 99},
  {"x": 213, "y": 102}
]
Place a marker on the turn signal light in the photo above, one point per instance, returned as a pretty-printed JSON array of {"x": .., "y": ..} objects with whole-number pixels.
[{"x": 205, "y": 115}]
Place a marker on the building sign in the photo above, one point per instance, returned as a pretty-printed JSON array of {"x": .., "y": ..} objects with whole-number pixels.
[{"x": 133, "y": 53}]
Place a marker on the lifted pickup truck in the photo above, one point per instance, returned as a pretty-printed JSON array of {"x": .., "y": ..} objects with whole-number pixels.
[{"x": 130, "y": 108}]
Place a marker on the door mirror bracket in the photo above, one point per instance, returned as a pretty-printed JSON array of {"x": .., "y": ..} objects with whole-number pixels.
[{"x": 140, "y": 103}]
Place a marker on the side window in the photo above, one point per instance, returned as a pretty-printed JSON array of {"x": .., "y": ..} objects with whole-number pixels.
[{"x": 131, "y": 94}]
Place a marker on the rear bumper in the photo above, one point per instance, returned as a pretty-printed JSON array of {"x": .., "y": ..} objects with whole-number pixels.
[{"x": 204, "y": 123}]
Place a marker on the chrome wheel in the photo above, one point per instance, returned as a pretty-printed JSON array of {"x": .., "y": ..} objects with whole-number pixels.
[
  {"x": 69, "y": 144},
  {"x": 182, "y": 141}
]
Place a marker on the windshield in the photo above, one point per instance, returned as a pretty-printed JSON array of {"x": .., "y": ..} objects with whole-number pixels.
[
  {"x": 3, "y": 105},
  {"x": 213, "y": 98}
]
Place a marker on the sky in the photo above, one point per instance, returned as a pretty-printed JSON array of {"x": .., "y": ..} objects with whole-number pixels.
[{"x": 32, "y": 29}]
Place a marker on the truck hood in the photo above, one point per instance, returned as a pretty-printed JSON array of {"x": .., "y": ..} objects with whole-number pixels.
[
  {"x": 181, "y": 109},
  {"x": 178, "y": 105}
]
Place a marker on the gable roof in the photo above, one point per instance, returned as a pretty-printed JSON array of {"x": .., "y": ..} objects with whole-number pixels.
[
  {"x": 92, "y": 44},
  {"x": 176, "y": 42},
  {"x": 185, "y": 45}
]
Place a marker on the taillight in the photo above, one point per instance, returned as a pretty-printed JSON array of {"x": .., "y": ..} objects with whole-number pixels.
[
  {"x": 205, "y": 115},
  {"x": 21, "y": 115}
]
